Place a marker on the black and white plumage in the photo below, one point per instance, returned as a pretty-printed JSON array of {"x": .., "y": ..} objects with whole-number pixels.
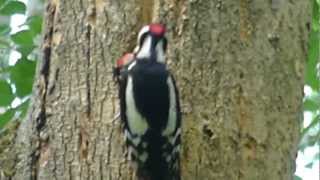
[{"x": 150, "y": 108}]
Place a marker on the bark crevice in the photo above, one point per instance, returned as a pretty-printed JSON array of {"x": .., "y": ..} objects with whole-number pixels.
[{"x": 40, "y": 142}]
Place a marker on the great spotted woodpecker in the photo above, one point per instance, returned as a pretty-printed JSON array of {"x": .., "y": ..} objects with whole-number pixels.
[{"x": 150, "y": 108}]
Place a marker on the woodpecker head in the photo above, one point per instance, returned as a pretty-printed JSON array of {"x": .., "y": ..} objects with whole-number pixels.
[
  {"x": 121, "y": 63},
  {"x": 124, "y": 60},
  {"x": 152, "y": 43}
]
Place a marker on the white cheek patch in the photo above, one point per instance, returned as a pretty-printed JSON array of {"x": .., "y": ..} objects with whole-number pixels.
[
  {"x": 172, "y": 118},
  {"x": 136, "y": 123},
  {"x": 144, "y": 30},
  {"x": 160, "y": 52},
  {"x": 145, "y": 49}
]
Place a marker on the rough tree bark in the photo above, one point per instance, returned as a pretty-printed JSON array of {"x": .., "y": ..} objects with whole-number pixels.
[{"x": 239, "y": 66}]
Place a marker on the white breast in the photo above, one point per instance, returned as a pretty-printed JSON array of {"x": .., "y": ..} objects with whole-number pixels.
[{"x": 137, "y": 124}]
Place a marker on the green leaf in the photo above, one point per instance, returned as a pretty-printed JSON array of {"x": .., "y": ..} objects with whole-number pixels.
[
  {"x": 308, "y": 138},
  {"x": 316, "y": 16},
  {"x": 312, "y": 140},
  {"x": 25, "y": 50},
  {"x": 309, "y": 165},
  {"x": 316, "y": 157},
  {"x": 6, "y": 117},
  {"x": 315, "y": 122},
  {"x": 24, "y": 42},
  {"x": 4, "y": 43},
  {"x": 6, "y": 95},
  {"x": 4, "y": 29},
  {"x": 13, "y": 7},
  {"x": 35, "y": 24},
  {"x": 297, "y": 177},
  {"x": 313, "y": 56},
  {"x": 313, "y": 53},
  {"x": 22, "y": 75},
  {"x": 2, "y": 2},
  {"x": 24, "y": 37},
  {"x": 312, "y": 103}
]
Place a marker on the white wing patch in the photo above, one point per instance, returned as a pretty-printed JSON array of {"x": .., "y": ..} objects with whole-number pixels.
[
  {"x": 137, "y": 124},
  {"x": 132, "y": 65},
  {"x": 172, "y": 119},
  {"x": 143, "y": 157},
  {"x": 145, "y": 49},
  {"x": 173, "y": 139}
]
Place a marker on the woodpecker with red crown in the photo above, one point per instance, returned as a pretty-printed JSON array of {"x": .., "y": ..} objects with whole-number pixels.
[{"x": 150, "y": 108}]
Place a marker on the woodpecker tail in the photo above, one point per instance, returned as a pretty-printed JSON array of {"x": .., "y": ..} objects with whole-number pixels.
[{"x": 144, "y": 175}]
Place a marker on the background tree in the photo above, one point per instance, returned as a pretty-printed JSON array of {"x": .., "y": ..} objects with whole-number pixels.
[{"x": 244, "y": 59}]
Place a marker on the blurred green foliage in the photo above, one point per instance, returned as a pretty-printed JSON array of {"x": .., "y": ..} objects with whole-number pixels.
[
  {"x": 310, "y": 134},
  {"x": 16, "y": 79},
  {"x": 12, "y": 7},
  {"x": 312, "y": 100},
  {"x": 312, "y": 71}
]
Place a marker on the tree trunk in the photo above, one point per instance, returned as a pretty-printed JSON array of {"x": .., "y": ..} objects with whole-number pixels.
[{"x": 239, "y": 67}]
